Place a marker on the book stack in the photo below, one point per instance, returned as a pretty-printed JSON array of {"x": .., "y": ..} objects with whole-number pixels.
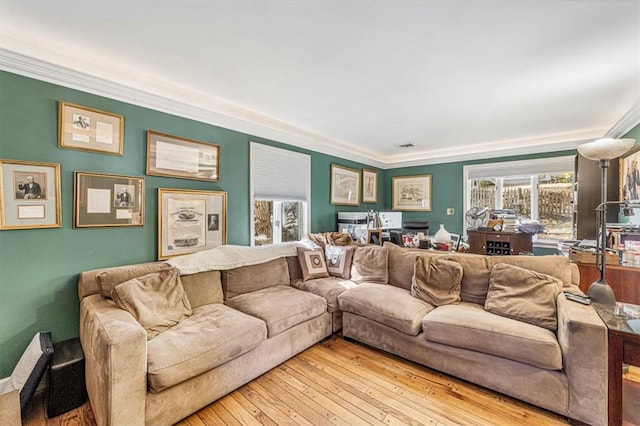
[{"x": 510, "y": 223}]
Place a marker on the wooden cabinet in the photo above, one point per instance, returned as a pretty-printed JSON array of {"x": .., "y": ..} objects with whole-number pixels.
[
  {"x": 624, "y": 281},
  {"x": 499, "y": 243}
]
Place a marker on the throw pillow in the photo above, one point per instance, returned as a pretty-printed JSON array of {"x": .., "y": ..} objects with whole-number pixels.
[
  {"x": 312, "y": 264},
  {"x": 108, "y": 280},
  {"x": 157, "y": 300},
  {"x": 338, "y": 260},
  {"x": 437, "y": 281},
  {"x": 370, "y": 264},
  {"x": 523, "y": 295}
]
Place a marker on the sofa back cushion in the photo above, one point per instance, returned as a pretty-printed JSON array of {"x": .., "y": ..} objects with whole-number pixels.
[
  {"x": 556, "y": 266},
  {"x": 401, "y": 261},
  {"x": 370, "y": 264},
  {"x": 255, "y": 277},
  {"x": 203, "y": 288},
  {"x": 475, "y": 276},
  {"x": 108, "y": 280},
  {"x": 437, "y": 281},
  {"x": 295, "y": 271}
]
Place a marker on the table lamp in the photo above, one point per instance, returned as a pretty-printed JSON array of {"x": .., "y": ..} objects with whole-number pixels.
[{"x": 603, "y": 150}]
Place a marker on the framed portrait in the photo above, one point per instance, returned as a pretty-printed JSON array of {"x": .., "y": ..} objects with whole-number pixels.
[
  {"x": 369, "y": 186},
  {"x": 630, "y": 174},
  {"x": 345, "y": 186},
  {"x": 89, "y": 129},
  {"x": 29, "y": 195},
  {"x": 190, "y": 221},
  {"x": 177, "y": 157},
  {"x": 411, "y": 193},
  {"x": 103, "y": 200}
]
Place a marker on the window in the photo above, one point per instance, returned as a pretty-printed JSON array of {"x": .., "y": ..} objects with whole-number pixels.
[
  {"x": 280, "y": 193},
  {"x": 539, "y": 189}
]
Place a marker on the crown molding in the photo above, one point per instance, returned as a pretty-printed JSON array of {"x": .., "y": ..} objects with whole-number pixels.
[{"x": 628, "y": 121}]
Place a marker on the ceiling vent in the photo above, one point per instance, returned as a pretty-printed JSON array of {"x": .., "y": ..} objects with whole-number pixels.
[{"x": 407, "y": 145}]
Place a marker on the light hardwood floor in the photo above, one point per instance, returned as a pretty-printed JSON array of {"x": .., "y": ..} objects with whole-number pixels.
[{"x": 338, "y": 382}]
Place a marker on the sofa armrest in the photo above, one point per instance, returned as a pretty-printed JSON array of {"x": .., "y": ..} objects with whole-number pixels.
[
  {"x": 115, "y": 350},
  {"x": 583, "y": 338}
]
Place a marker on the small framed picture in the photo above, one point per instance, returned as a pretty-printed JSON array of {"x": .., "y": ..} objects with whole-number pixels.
[
  {"x": 630, "y": 174},
  {"x": 29, "y": 195},
  {"x": 411, "y": 193},
  {"x": 374, "y": 236},
  {"x": 190, "y": 221},
  {"x": 345, "y": 186},
  {"x": 369, "y": 186},
  {"x": 177, "y": 157},
  {"x": 103, "y": 200},
  {"x": 89, "y": 129}
]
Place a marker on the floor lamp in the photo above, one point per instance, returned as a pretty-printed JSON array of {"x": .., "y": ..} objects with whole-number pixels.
[{"x": 603, "y": 150}]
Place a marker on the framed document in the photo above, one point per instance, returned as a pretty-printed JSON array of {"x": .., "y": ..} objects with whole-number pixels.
[
  {"x": 182, "y": 158},
  {"x": 29, "y": 195},
  {"x": 412, "y": 193},
  {"x": 345, "y": 186},
  {"x": 108, "y": 200},
  {"x": 89, "y": 129},
  {"x": 369, "y": 186},
  {"x": 630, "y": 174},
  {"x": 190, "y": 221}
]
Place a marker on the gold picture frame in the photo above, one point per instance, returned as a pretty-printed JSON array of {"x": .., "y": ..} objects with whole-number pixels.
[
  {"x": 183, "y": 158},
  {"x": 89, "y": 129},
  {"x": 630, "y": 174},
  {"x": 345, "y": 186},
  {"x": 369, "y": 186},
  {"x": 103, "y": 200},
  {"x": 190, "y": 221},
  {"x": 411, "y": 193},
  {"x": 29, "y": 195}
]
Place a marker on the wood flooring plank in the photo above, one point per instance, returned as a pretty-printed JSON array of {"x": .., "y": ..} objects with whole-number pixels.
[
  {"x": 252, "y": 392},
  {"x": 236, "y": 409},
  {"x": 249, "y": 406},
  {"x": 218, "y": 414}
]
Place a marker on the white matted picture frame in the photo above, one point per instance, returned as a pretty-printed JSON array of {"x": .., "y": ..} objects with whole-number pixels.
[
  {"x": 630, "y": 174},
  {"x": 411, "y": 193},
  {"x": 177, "y": 157},
  {"x": 103, "y": 200},
  {"x": 190, "y": 221},
  {"x": 29, "y": 195},
  {"x": 89, "y": 129},
  {"x": 345, "y": 186},
  {"x": 369, "y": 186}
]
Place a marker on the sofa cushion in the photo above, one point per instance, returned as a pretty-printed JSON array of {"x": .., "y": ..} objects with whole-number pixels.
[
  {"x": 437, "y": 281},
  {"x": 157, "y": 300},
  {"x": 246, "y": 279},
  {"x": 523, "y": 295},
  {"x": 295, "y": 272},
  {"x": 556, "y": 266},
  {"x": 109, "y": 279},
  {"x": 475, "y": 277},
  {"x": 312, "y": 263},
  {"x": 338, "y": 259},
  {"x": 329, "y": 288},
  {"x": 281, "y": 307},
  {"x": 402, "y": 262},
  {"x": 211, "y": 336},
  {"x": 469, "y": 326},
  {"x": 385, "y": 304},
  {"x": 370, "y": 264},
  {"x": 203, "y": 288}
]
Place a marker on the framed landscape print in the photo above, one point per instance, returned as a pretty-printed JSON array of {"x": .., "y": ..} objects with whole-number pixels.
[
  {"x": 411, "y": 193},
  {"x": 190, "y": 221},
  {"x": 29, "y": 195},
  {"x": 103, "y": 200},
  {"x": 630, "y": 174},
  {"x": 369, "y": 186},
  {"x": 89, "y": 129},
  {"x": 177, "y": 157},
  {"x": 345, "y": 186}
]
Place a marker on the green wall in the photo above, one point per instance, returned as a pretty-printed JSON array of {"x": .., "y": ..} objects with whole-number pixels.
[{"x": 39, "y": 267}]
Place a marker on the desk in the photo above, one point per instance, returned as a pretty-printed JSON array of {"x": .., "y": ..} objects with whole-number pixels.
[
  {"x": 624, "y": 348},
  {"x": 624, "y": 281}
]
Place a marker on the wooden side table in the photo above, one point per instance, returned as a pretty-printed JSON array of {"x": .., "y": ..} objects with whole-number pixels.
[{"x": 624, "y": 348}]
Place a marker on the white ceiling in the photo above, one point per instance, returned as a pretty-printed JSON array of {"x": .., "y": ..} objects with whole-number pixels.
[{"x": 458, "y": 79}]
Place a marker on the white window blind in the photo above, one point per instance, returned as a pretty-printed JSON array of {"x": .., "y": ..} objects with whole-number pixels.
[
  {"x": 520, "y": 168},
  {"x": 279, "y": 174}
]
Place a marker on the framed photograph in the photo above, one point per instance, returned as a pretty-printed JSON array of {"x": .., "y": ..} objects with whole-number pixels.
[
  {"x": 29, "y": 195},
  {"x": 630, "y": 174},
  {"x": 190, "y": 221},
  {"x": 89, "y": 129},
  {"x": 369, "y": 186},
  {"x": 107, "y": 200},
  {"x": 374, "y": 236},
  {"x": 411, "y": 193},
  {"x": 182, "y": 158},
  {"x": 345, "y": 186}
]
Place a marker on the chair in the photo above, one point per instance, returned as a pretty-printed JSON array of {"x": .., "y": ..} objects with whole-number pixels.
[{"x": 413, "y": 227}]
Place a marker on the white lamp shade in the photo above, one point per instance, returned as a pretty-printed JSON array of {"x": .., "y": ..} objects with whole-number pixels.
[{"x": 605, "y": 148}]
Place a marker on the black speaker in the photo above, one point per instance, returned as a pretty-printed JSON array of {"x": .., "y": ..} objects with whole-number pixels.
[{"x": 66, "y": 378}]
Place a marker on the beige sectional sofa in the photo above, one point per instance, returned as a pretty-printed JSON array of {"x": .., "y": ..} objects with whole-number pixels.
[{"x": 245, "y": 320}]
